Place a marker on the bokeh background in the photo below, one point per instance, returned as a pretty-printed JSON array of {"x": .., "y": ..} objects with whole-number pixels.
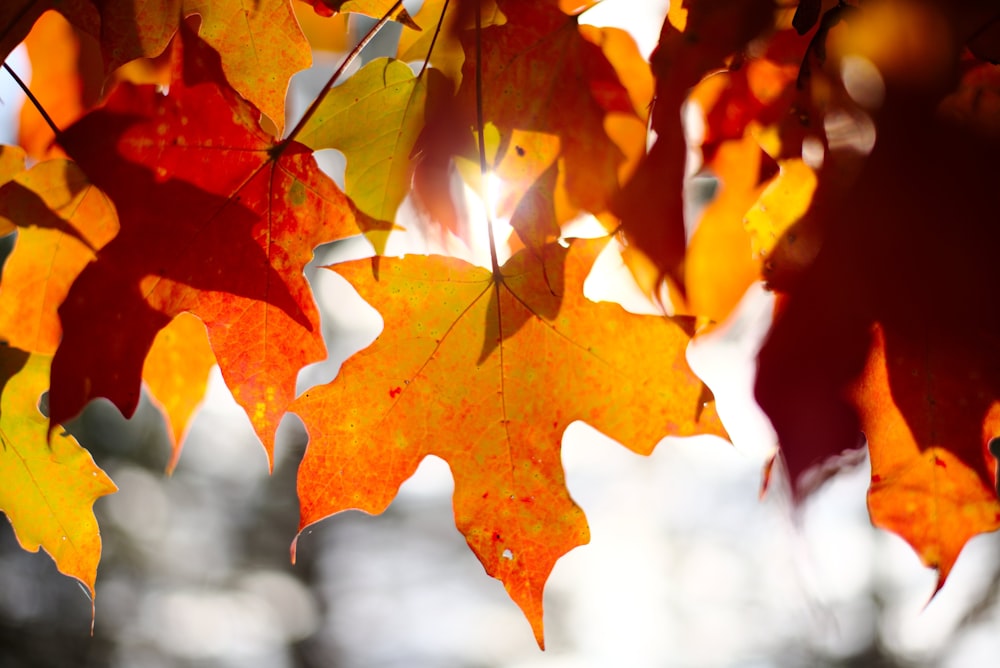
[{"x": 687, "y": 567}]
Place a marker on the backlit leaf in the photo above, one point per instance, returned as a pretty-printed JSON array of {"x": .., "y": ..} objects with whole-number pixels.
[
  {"x": 176, "y": 374},
  {"x": 50, "y": 483},
  {"x": 651, "y": 207},
  {"x": 63, "y": 78},
  {"x": 260, "y": 43},
  {"x": 933, "y": 478},
  {"x": 474, "y": 371},
  {"x": 532, "y": 67},
  {"x": 720, "y": 264},
  {"x": 374, "y": 118},
  {"x": 228, "y": 244},
  {"x": 889, "y": 330},
  {"x": 62, "y": 221}
]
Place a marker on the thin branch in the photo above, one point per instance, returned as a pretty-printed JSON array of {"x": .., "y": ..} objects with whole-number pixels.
[
  {"x": 34, "y": 100},
  {"x": 348, "y": 60},
  {"x": 483, "y": 186},
  {"x": 437, "y": 31}
]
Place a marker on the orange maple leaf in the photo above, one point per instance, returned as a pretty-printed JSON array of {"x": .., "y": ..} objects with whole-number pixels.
[
  {"x": 933, "y": 478},
  {"x": 487, "y": 373},
  {"x": 260, "y": 42},
  {"x": 226, "y": 243},
  {"x": 651, "y": 206},
  {"x": 65, "y": 79},
  {"x": 62, "y": 222},
  {"x": 176, "y": 374}
]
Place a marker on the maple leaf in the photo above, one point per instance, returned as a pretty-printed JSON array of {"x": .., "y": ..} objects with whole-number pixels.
[
  {"x": 62, "y": 222},
  {"x": 888, "y": 330},
  {"x": 476, "y": 370},
  {"x": 50, "y": 483},
  {"x": 651, "y": 206},
  {"x": 533, "y": 67},
  {"x": 442, "y": 47},
  {"x": 720, "y": 264},
  {"x": 66, "y": 79},
  {"x": 176, "y": 374},
  {"x": 11, "y": 164},
  {"x": 227, "y": 244},
  {"x": 260, "y": 42},
  {"x": 929, "y": 412},
  {"x": 374, "y": 118}
]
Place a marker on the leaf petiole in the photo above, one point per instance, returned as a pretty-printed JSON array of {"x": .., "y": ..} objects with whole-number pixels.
[
  {"x": 34, "y": 100},
  {"x": 484, "y": 191},
  {"x": 437, "y": 31},
  {"x": 348, "y": 60}
]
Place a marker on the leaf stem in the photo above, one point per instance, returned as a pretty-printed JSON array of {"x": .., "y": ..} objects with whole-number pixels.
[
  {"x": 34, "y": 100},
  {"x": 483, "y": 186},
  {"x": 348, "y": 60},
  {"x": 437, "y": 31}
]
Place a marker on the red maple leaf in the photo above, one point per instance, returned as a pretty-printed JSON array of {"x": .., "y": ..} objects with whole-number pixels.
[{"x": 217, "y": 218}]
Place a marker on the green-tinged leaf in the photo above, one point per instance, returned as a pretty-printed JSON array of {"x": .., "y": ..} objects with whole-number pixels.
[
  {"x": 374, "y": 119},
  {"x": 49, "y": 484}
]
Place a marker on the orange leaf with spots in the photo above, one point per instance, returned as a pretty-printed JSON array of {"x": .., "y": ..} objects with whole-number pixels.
[
  {"x": 229, "y": 244},
  {"x": 933, "y": 479},
  {"x": 487, "y": 373}
]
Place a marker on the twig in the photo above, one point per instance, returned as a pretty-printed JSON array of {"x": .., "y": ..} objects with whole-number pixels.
[
  {"x": 483, "y": 186},
  {"x": 34, "y": 100},
  {"x": 437, "y": 31},
  {"x": 348, "y": 60}
]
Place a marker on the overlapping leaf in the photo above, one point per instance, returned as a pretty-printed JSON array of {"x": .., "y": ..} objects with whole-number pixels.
[
  {"x": 487, "y": 374},
  {"x": 907, "y": 253},
  {"x": 216, "y": 219},
  {"x": 374, "y": 119},
  {"x": 929, "y": 411},
  {"x": 16, "y": 19},
  {"x": 260, "y": 42},
  {"x": 651, "y": 207},
  {"x": 50, "y": 483},
  {"x": 176, "y": 375},
  {"x": 720, "y": 239},
  {"x": 66, "y": 78},
  {"x": 550, "y": 87},
  {"x": 62, "y": 222}
]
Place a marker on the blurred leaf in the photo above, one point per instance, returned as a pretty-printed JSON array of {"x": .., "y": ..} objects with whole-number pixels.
[{"x": 176, "y": 373}]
